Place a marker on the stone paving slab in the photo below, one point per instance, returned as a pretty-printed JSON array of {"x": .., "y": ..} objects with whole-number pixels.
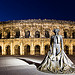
[{"x": 14, "y": 66}]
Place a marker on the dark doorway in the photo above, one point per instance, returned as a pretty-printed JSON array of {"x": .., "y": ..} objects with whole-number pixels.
[
  {"x": 27, "y": 50},
  {"x": 17, "y": 50},
  {"x": 73, "y": 50},
  {"x": 27, "y": 34},
  {"x": 65, "y": 34},
  {"x": 8, "y": 35},
  {"x": 0, "y": 35},
  {"x": 37, "y": 34},
  {"x": 46, "y": 34},
  {"x": 17, "y": 34},
  {"x": 47, "y": 48},
  {"x": 73, "y": 35},
  {"x": 0, "y": 50},
  {"x": 8, "y": 50},
  {"x": 66, "y": 49},
  {"x": 37, "y": 50}
]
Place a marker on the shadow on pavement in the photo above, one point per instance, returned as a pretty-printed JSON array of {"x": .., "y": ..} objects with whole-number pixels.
[{"x": 30, "y": 62}]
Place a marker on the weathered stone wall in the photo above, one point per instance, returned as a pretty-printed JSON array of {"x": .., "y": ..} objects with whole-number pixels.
[{"x": 11, "y": 45}]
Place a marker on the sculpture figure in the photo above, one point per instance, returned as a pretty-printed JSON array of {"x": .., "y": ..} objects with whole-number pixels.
[
  {"x": 55, "y": 41},
  {"x": 56, "y": 61}
]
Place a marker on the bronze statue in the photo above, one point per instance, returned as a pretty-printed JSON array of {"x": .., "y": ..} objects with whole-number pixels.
[{"x": 56, "y": 61}]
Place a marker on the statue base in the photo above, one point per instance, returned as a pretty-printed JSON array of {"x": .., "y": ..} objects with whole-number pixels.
[{"x": 59, "y": 64}]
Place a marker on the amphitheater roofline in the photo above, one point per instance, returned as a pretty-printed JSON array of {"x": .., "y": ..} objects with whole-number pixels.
[{"x": 39, "y": 21}]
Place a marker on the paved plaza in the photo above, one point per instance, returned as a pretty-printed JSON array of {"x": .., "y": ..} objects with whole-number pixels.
[{"x": 13, "y": 65}]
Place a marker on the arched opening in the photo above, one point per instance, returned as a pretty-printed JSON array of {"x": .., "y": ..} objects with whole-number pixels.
[
  {"x": 0, "y": 35},
  {"x": 27, "y": 50},
  {"x": 65, "y": 34},
  {"x": 66, "y": 49},
  {"x": 37, "y": 50},
  {"x": 27, "y": 34},
  {"x": 17, "y": 50},
  {"x": 8, "y": 52},
  {"x": 74, "y": 50},
  {"x": 73, "y": 35},
  {"x": 37, "y": 34},
  {"x": 17, "y": 33},
  {"x": 47, "y": 48},
  {"x": 46, "y": 34},
  {"x": 8, "y": 35},
  {"x": 0, "y": 50}
]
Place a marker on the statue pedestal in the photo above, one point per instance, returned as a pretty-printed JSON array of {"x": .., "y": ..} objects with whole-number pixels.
[{"x": 59, "y": 64}]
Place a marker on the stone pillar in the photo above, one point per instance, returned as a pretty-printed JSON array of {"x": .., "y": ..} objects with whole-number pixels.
[
  {"x": 4, "y": 50},
  {"x": 71, "y": 49},
  {"x": 42, "y": 51},
  {"x": 31, "y": 32},
  {"x": 21, "y": 49},
  {"x": 21, "y": 33},
  {"x": 12, "y": 51},
  {"x": 11, "y": 33},
  {"x": 3, "y": 53},
  {"x": 32, "y": 52},
  {"x": 43, "y": 34}
]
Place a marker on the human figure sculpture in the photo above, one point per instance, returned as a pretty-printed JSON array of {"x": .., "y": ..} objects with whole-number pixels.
[
  {"x": 56, "y": 40},
  {"x": 56, "y": 61}
]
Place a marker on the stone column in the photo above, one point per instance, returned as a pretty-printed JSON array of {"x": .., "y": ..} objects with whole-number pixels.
[
  {"x": 11, "y": 33},
  {"x": 71, "y": 49},
  {"x": 31, "y": 33},
  {"x": 32, "y": 52},
  {"x": 12, "y": 50},
  {"x": 71, "y": 33},
  {"x": 42, "y": 51},
  {"x": 2, "y": 33},
  {"x": 21, "y": 32},
  {"x": 21, "y": 49},
  {"x": 3, "y": 49}
]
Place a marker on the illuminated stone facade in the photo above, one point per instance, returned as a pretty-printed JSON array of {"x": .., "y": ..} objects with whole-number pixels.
[{"x": 32, "y": 37}]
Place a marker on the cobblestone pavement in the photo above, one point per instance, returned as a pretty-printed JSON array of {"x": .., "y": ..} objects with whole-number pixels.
[{"x": 11, "y": 65}]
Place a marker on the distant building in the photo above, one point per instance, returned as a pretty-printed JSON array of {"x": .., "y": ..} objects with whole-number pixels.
[{"x": 32, "y": 37}]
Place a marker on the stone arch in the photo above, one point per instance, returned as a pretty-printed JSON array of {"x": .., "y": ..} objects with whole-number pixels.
[
  {"x": 27, "y": 34},
  {"x": 17, "y": 33},
  {"x": 8, "y": 51},
  {"x": 37, "y": 34},
  {"x": 47, "y": 34},
  {"x": 0, "y": 50},
  {"x": 27, "y": 49},
  {"x": 47, "y": 48},
  {"x": 66, "y": 49},
  {"x": 17, "y": 50},
  {"x": 7, "y": 33},
  {"x": 65, "y": 34},
  {"x": 73, "y": 35},
  {"x": 74, "y": 50},
  {"x": 37, "y": 50}
]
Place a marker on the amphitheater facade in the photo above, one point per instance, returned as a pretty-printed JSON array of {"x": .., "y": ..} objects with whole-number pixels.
[{"x": 32, "y": 37}]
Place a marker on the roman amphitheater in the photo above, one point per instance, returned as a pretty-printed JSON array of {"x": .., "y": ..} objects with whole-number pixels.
[{"x": 32, "y": 36}]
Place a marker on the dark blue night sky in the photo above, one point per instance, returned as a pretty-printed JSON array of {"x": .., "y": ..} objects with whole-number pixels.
[{"x": 37, "y": 9}]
